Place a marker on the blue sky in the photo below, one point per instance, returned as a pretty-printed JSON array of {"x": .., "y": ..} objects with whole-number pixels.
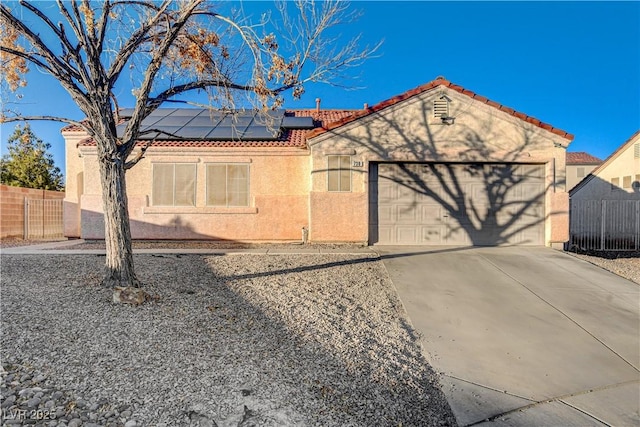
[{"x": 574, "y": 65}]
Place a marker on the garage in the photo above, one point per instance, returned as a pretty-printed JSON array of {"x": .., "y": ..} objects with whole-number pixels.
[{"x": 462, "y": 204}]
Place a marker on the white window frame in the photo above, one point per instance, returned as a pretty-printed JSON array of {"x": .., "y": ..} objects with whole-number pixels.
[
  {"x": 329, "y": 170},
  {"x": 227, "y": 164},
  {"x": 195, "y": 184}
]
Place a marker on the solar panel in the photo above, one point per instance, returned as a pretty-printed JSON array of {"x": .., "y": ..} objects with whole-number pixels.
[
  {"x": 168, "y": 132},
  {"x": 195, "y": 132},
  {"x": 174, "y": 120},
  {"x": 162, "y": 112},
  {"x": 187, "y": 112},
  {"x": 260, "y": 133},
  {"x": 120, "y": 130},
  {"x": 225, "y": 132},
  {"x": 200, "y": 123},
  {"x": 298, "y": 122},
  {"x": 232, "y": 120},
  {"x": 151, "y": 120},
  {"x": 204, "y": 121}
]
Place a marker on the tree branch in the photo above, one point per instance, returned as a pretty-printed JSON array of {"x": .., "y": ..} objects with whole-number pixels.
[
  {"x": 156, "y": 101},
  {"x": 131, "y": 163},
  {"x": 44, "y": 118},
  {"x": 140, "y": 111},
  {"x": 134, "y": 41}
]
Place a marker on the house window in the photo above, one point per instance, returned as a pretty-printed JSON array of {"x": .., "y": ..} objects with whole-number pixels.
[
  {"x": 580, "y": 172},
  {"x": 174, "y": 184},
  {"x": 228, "y": 184},
  {"x": 636, "y": 183},
  {"x": 626, "y": 182},
  {"x": 615, "y": 183},
  {"x": 339, "y": 173}
]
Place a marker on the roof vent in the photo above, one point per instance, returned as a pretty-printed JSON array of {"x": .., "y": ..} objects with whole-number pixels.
[
  {"x": 441, "y": 107},
  {"x": 636, "y": 150}
]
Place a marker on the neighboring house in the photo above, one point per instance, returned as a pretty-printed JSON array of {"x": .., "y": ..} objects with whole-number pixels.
[
  {"x": 617, "y": 178},
  {"x": 605, "y": 206},
  {"x": 435, "y": 165},
  {"x": 579, "y": 165}
]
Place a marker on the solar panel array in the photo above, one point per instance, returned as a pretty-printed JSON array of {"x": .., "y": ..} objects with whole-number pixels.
[{"x": 205, "y": 124}]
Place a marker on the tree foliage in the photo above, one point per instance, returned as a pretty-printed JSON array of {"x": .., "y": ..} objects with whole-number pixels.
[
  {"x": 98, "y": 49},
  {"x": 28, "y": 162}
]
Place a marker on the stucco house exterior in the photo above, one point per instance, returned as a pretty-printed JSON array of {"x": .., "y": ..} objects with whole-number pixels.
[
  {"x": 579, "y": 166},
  {"x": 617, "y": 178},
  {"x": 605, "y": 206},
  {"x": 435, "y": 165}
]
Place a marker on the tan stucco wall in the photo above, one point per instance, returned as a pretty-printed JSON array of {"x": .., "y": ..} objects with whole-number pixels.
[
  {"x": 572, "y": 174},
  {"x": 623, "y": 164},
  {"x": 407, "y": 131},
  {"x": 74, "y": 186},
  {"x": 278, "y": 209}
]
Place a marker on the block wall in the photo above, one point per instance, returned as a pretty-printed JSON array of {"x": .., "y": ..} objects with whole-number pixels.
[{"x": 12, "y": 207}]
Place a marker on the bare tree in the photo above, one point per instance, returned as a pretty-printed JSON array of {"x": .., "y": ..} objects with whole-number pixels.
[{"x": 166, "y": 49}]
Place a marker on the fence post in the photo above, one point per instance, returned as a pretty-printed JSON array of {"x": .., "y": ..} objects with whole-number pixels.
[
  {"x": 637, "y": 237},
  {"x": 603, "y": 218}
]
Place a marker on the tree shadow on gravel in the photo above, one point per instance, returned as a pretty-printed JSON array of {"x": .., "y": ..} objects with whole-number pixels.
[
  {"x": 235, "y": 340},
  {"x": 366, "y": 258}
]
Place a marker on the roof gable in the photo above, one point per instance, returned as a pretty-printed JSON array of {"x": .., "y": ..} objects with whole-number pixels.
[{"x": 440, "y": 81}]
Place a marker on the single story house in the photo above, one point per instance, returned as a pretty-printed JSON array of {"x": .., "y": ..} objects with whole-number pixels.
[
  {"x": 436, "y": 165},
  {"x": 617, "y": 178},
  {"x": 579, "y": 165}
]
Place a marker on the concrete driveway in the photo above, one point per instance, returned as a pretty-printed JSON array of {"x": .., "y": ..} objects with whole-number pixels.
[{"x": 524, "y": 336}]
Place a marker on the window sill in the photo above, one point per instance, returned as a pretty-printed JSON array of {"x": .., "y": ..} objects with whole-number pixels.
[{"x": 197, "y": 210}]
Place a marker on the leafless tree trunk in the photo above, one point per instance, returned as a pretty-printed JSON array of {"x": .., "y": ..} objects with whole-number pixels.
[{"x": 119, "y": 269}]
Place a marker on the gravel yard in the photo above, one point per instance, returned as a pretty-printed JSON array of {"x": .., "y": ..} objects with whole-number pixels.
[
  {"x": 236, "y": 340},
  {"x": 627, "y": 265}
]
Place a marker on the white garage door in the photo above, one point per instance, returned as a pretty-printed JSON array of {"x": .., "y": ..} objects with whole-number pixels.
[{"x": 456, "y": 204}]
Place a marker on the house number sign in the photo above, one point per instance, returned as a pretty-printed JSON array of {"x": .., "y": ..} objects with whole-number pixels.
[{"x": 358, "y": 163}]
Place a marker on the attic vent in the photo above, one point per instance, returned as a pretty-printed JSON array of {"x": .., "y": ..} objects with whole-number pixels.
[
  {"x": 636, "y": 151},
  {"x": 441, "y": 107}
]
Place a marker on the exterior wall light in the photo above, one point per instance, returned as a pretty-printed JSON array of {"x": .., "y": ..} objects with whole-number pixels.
[{"x": 447, "y": 120}]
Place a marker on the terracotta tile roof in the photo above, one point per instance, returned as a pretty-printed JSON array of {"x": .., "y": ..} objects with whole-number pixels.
[
  {"x": 428, "y": 86},
  {"x": 296, "y": 138},
  {"x": 582, "y": 158}
]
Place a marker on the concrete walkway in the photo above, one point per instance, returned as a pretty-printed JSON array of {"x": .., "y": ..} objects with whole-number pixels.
[
  {"x": 524, "y": 336},
  {"x": 67, "y": 247}
]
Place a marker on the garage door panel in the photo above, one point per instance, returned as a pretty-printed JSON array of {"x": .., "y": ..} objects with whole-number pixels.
[
  {"x": 385, "y": 214},
  {"x": 456, "y": 234},
  {"x": 386, "y": 234},
  {"x": 431, "y": 214},
  {"x": 386, "y": 192},
  {"x": 407, "y": 214},
  {"x": 416, "y": 212},
  {"x": 406, "y": 235},
  {"x": 432, "y": 235}
]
